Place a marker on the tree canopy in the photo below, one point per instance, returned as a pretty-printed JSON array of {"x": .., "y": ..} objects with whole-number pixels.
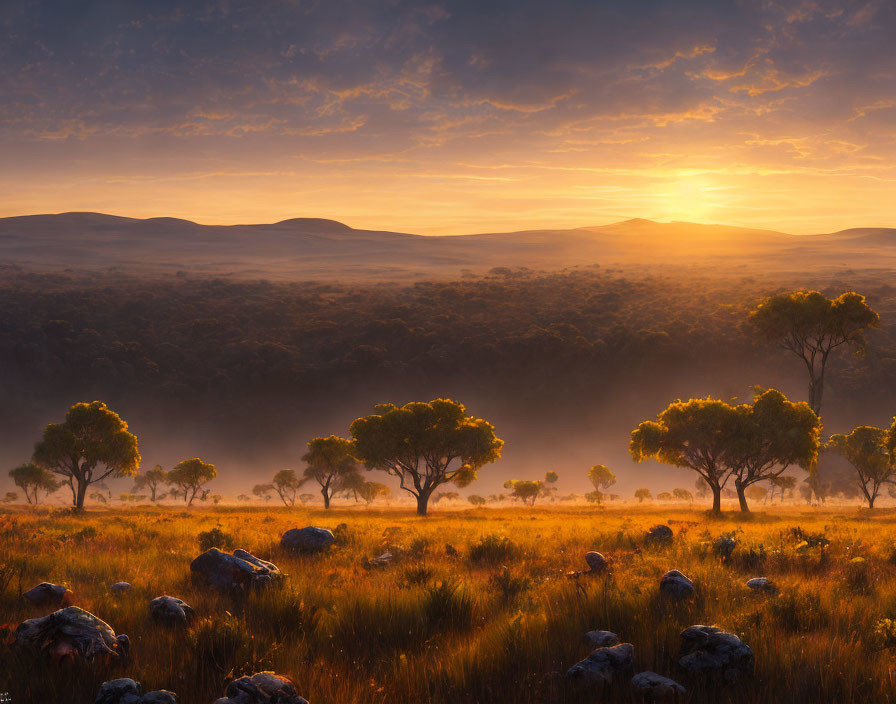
[
  {"x": 286, "y": 484},
  {"x": 870, "y": 452},
  {"x": 91, "y": 444},
  {"x": 425, "y": 445},
  {"x": 151, "y": 480},
  {"x": 811, "y": 325},
  {"x": 34, "y": 480}
]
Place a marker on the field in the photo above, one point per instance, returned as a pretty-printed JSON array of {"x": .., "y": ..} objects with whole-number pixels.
[{"x": 498, "y": 620}]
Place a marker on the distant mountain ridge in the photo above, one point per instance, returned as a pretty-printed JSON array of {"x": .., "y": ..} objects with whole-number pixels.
[{"x": 315, "y": 248}]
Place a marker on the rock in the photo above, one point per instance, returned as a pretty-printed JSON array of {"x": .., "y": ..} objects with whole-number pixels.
[
  {"x": 127, "y": 691},
  {"x": 261, "y": 688},
  {"x": 307, "y": 540},
  {"x": 602, "y": 639},
  {"x": 602, "y": 665},
  {"x": 119, "y": 587},
  {"x": 651, "y": 688},
  {"x": 706, "y": 650},
  {"x": 71, "y": 632},
  {"x": 674, "y": 584},
  {"x": 762, "y": 584},
  {"x": 238, "y": 571},
  {"x": 596, "y": 561},
  {"x": 660, "y": 534},
  {"x": 724, "y": 546},
  {"x": 48, "y": 594},
  {"x": 171, "y": 611}
]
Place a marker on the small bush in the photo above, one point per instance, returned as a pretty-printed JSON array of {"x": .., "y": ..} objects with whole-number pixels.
[
  {"x": 508, "y": 585},
  {"x": 447, "y": 606},
  {"x": 493, "y": 550},
  {"x": 416, "y": 576},
  {"x": 215, "y": 538}
]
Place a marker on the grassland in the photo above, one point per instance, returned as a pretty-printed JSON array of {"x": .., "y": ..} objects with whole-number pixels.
[{"x": 497, "y": 622}]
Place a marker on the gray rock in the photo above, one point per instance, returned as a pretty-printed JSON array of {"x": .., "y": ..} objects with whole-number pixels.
[
  {"x": 127, "y": 691},
  {"x": 307, "y": 540},
  {"x": 261, "y": 688},
  {"x": 120, "y": 587},
  {"x": 762, "y": 584},
  {"x": 596, "y": 561},
  {"x": 171, "y": 611},
  {"x": 71, "y": 632},
  {"x": 233, "y": 572},
  {"x": 724, "y": 546},
  {"x": 707, "y": 650},
  {"x": 660, "y": 534},
  {"x": 651, "y": 688},
  {"x": 48, "y": 594},
  {"x": 675, "y": 585},
  {"x": 602, "y": 639},
  {"x": 602, "y": 665}
]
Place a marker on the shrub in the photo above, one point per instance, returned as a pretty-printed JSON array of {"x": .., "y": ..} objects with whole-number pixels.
[
  {"x": 493, "y": 550},
  {"x": 215, "y": 538},
  {"x": 447, "y": 606},
  {"x": 508, "y": 585}
]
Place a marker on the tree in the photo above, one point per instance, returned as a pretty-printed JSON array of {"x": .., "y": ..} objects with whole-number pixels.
[
  {"x": 683, "y": 495},
  {"x": 447, "y": 495},
  {"x": 811, "y": 325},
  {"x": 330, "y": 462},
  {"x": 602, "y": 478},
  {"x": 425, "y": 445},
  {"x": 476, "y": 500},
  {"x": 870, "y": 452},
  {"x": 551, "y": 477},
  {"x": 305, "y": 498},
  {"x": 595, "y": 497},
  {"x": 769, "y": 436},
  {"x": 756, "y": 493},
  {"x": 34, "y": 480},
  {"x": 263, "y": 491},
  {"x": 244, "y": 498},
  {"x": 286, "y": 484},
  {"x": 701, "y": 488},
  {"x": 524, "y": 490},
  {"x": 91, "y": 444},
  {"x": 350, "y": 485},
  {"x": 782, "y": 484},
  {"x": 11, "y": 497},
  {"x": 217, "y": 499},
  {"x": 692, "y": 434},
  {"x": 642, "y": 494},
  {"x": 664, "y": 496},
  {"x": 371, "y": 491},
  {"x": 152, "y": 480},
  {"x": 190, "y": 476},
  {"x": 99, "y": 497}
]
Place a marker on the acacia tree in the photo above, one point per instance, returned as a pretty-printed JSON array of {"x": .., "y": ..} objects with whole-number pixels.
[
  {"x": 371, "y": 491},
  {"x": 683, "y": 495},
  {"x": 33, "y": 480},
  {"x": 870, "y": 451},
  {"x": 643, "y": 493},
  {"x": 330, "y": 462},
  {"x": 189, "y": 476},
  {"x": 286, "y": 484},
  {"x": 811, "y": 325},
  {"x": 692, "y": 434},
  {"x": 476, "y": 500},
  {"x": 152, "y": 480},
  {"x": 524, "y": 489},
  {"x": 91, "y": 444},
  {"x": 425, "y": 445},
  {"x": 770, "y": 435},
  {"x": 263, "y": 491},
  {"x": 602, "y": 478}
]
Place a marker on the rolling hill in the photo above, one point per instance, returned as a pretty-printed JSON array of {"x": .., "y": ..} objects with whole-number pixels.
[{"x": 310, "y": 248}]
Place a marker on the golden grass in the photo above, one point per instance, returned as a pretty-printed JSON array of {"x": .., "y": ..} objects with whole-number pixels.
[{"x": 498, "y": 622}]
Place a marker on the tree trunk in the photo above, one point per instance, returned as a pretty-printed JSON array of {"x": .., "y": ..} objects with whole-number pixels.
[
  {"x": 422, "y": 502},
  {"x": 716, "y": 499},
  {"x": 82, "y": 492},
  {"x": 816, "y": 389},
  {"x": 741, "y": 497},
  {"x": 326, "y": 495},
  {"x": 871, "y": 502}
]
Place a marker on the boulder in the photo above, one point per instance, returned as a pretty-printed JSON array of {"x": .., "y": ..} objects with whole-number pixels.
[
  {"x": 307, "y": 540},
  {"x": 724, "y": 546},
  {"x": 707, "y": 650},
  {"x": 120, "y": 587},
  {"x": 48, "y": 594},
  {"x": 71, "y": 632},
  {"x": 171, "y": 611},
  {"x": 660, "y": 534},
  {"x": 602, "y": 665},
  {"x": 239, "y": 571},
  {"x": 261, "y": 688},
  {"x": 762, "y": 584},
  {"x": 596, "y": 562},
  {"x": 602, "y": 639},
  {"x": 651, "y": 688},
  {"x": 675, "y": 585},
  {"x": 127, "y": 691}
]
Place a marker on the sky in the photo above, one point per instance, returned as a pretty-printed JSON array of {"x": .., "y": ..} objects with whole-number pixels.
[{"x": 453, "y": 117}]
